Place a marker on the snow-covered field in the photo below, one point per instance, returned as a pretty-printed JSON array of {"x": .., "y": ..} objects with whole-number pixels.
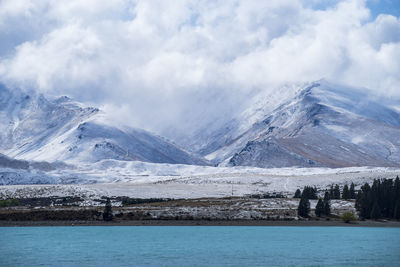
[{"x": 147, "y": 180}]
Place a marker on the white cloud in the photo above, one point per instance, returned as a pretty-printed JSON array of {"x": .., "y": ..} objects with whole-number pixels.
[{"x": 158, "y": 63}]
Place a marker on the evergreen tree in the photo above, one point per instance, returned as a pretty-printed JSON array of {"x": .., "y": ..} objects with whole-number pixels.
[
  {"x": 319, "y": 209},
  {"x": 304, "y": 207},
  {"x": 327, "y": 204},
  {"x": 379, "y": 200},
  {"x": 336, "y": 192},
  {"x": 309, "y": 192},
  {"x": 297, "y": 194},
  {"x": 327, "y": 196},
  {"x": 376, "y": 211},
  {"x": 346, "y": 192},
  {"x": 107, "y": 214},
  {"x": 331, "y": 194},
  {"x": 386, "y": 198},
  {"x": 397, "y": 188},
  {"x": 358, "y": 200},
  {"x": 352, "y": 191},
  {"x": 375, "y": 197},
  {"x": 314, "y": 193},
  {"x": 397, "y": 210},
  {"x": 363, "y": 202}
]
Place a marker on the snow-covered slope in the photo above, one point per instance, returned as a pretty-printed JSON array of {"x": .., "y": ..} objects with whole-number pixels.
[
  {"x": 35, "y": 128},
  {"x": 323, "y": 125},
  {"x": 316, "y": 124}
]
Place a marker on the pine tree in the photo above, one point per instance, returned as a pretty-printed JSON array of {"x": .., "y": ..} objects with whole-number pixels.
[
  {"x": 327, "y": 195},
  {"x": 107, "y": 214},
  {"x": 396, "y": 188},
  {"x": 363, "y": 204},
  {"x": 327, "y": 205},
  {"x": 309, "y": 192},
  {"x": 397, "y": 210},
  {"x": 336, "y": 192},
  {"x": 376, "y": 211},
  {"x": 331, "y": 194},
  {"x": 352, "y": 191},
  {"x": 314, "y": 191},
  {"x": 386, "y": 198},
  {"x": 375, "y": 199},
  {"x": 297, "y": 194},
  {"x": 379, "y": 200},
  {"x": 358, "y": 200},
  {"x": 304, "y": 207},
  {"x": 319, "y": 209},
  {"x": 346, "y": 192}
]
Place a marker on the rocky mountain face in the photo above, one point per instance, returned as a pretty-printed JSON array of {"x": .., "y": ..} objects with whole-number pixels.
[{"x": 324, "y": 125}]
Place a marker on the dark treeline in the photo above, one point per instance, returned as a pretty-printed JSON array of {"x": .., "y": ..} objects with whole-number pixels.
[
  {"x": 333, "y": 193},
  {"x": 309, "y": 192},
  {"x": 376, "y": 201},
  {"x": 381, "y": 200},
  {"x": 323, "y": 206},
  {"x": 347, "y": 193},
  {"x": 267, "y": 195},
  {"x": 132, "y": 201}
]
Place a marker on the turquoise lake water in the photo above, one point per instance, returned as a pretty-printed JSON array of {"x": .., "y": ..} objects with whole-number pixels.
[{"x": 199, "y": 246}]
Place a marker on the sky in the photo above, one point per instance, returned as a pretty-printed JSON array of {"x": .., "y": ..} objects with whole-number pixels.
[{"x": 164, "y": 64}]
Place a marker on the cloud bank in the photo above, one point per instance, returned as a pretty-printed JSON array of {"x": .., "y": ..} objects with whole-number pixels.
[{"x": 165, "y": 64}]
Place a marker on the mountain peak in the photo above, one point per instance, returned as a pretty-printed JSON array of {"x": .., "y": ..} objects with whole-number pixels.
[
  {"x": 323, "y": 124},
  {"x": 36, "y": 128}
]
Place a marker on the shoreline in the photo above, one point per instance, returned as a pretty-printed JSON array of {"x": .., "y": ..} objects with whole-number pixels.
[{"x": 312, "y": 223}]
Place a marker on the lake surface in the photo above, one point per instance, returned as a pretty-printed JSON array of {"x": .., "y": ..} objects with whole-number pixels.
[{"x": 199, "y": 246}]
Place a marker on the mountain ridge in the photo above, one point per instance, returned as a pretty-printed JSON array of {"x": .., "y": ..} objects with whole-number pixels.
[
  {"x": 318, "y": 124},
  {"x": 35, "y": 128},
  {"x": 319, "y": 128}
]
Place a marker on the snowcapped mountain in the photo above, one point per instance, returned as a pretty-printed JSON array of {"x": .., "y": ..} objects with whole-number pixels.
[
  {"x": 322, "y": 125},
  {"x": 35, "y": 128},
  {"x": 218, "y": 134},
  {"x": 316, "y": 124}
]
